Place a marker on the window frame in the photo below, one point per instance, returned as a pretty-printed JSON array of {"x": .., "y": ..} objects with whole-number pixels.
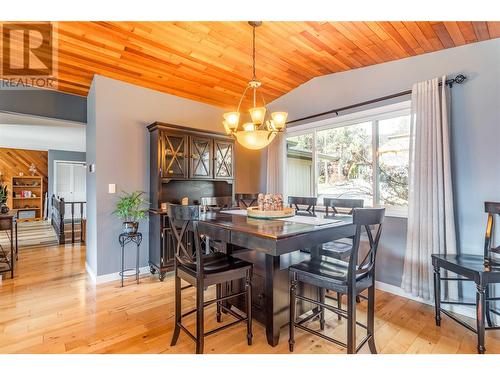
[{"x": 373, "y": 115}]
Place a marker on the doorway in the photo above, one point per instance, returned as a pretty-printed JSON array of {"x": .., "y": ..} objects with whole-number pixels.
[{"x": 69, "y": 183}]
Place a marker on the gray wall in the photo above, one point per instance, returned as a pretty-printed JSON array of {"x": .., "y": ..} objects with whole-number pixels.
[
  {"x": 44, "y": 103},
  {"x": 475, "y": 129},
  {"x": 61, "y": 155},
  {"x": 91, "y": 181},
  {"x": 118, "y": 114}
]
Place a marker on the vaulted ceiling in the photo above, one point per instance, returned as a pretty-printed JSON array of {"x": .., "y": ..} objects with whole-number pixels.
[{"x": 211, "y": 61}]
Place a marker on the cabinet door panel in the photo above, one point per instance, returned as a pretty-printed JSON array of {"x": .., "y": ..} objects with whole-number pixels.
[
  {"x": 224, "y": 160},
  {"x": 167, "y": 256},
  {"x": 201, "y": 163},
  {"x": 174, "y": 155}
]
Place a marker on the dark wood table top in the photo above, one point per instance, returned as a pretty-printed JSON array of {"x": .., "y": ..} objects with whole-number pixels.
[
  {"x": 275, "y": 229},
  {"x": 275, "y": 237}
]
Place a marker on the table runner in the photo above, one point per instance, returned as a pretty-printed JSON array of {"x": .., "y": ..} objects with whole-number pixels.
[{"x": 312, "y": 220}]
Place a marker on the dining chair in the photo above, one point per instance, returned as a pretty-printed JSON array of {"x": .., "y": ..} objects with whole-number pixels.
[
  {"x": 245, "y": 200},
  {"x": 310, "y": 202},
  {"x": 201, "y": 270},
  {"x": 216, "y": 203},
  {"x": 350, "y": 278},
  {"x": 340, "y": 249},
  {"x": 483, "y": 270}
]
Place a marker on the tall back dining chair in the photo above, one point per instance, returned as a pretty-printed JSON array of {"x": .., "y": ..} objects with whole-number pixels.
[
  {"x": 335, "y": 206},
  {"x": 245, "y": 200},
  {"x": 309, "y": 202},
  {"x": 350, "y": 278},
  {"x": 216, "y": 203},
  {"x": 482, "y": 269},
  {"x": 202, "y": 270},
  {"x": 491, "y": 253},
  {"x": 340, "y": 249}
]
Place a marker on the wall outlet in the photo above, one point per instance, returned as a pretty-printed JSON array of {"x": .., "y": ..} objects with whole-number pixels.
[{"x": 112, "y": 188}]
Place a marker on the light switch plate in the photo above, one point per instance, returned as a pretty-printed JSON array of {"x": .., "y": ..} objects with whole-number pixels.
[{"x": 112, "y": 188}]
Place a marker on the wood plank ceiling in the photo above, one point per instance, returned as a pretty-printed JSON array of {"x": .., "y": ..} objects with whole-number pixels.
[{"x": 211, "y": 61}]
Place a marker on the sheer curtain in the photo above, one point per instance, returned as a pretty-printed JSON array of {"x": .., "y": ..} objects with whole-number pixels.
[
  {"x": 431, "y": 225},
  {"x": 276, "y": 165}
]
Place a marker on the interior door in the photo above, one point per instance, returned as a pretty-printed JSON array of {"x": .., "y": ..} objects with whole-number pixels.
[
  {"x": 224, "y": 160},
  {"x": 70, "y": 184},
  {"x": 201, "y": 158}
]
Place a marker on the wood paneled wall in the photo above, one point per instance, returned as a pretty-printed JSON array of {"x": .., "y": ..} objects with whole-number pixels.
[{"x": 13, "y": 161}]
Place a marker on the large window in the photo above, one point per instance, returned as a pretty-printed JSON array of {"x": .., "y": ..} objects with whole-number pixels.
[{"x": 366, "y": 156}]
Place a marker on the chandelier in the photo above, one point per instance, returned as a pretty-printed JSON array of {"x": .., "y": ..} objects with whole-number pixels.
[{"x": 260, "y": 131}]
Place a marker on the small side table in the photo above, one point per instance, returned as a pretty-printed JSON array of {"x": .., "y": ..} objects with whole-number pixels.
[
  {"x": 8, "y": 223},
  {"x": 124, "y": 239}
]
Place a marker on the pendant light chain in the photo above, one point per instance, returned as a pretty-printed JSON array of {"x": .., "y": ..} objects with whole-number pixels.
[
  {"x": 257, "y": 133},
  {"x": 253, "y": 62},
  {"x": 254, "y": 76}
]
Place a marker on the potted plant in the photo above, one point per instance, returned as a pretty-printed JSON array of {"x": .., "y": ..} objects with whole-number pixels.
[
  {"x": 3, "y": 199},
  {"x": 131, "y": 207}
]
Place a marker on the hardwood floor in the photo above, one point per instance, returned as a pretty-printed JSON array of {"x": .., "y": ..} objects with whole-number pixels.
[
  {"x": 32, "y": 234},
  {"x": 53, "y": 307}
]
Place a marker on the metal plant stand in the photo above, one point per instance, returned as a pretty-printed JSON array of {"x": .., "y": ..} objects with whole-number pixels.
[{"x": 124, "y": 239}]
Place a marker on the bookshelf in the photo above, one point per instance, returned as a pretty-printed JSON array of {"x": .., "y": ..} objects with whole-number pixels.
[{"x": 27, "y": 197}]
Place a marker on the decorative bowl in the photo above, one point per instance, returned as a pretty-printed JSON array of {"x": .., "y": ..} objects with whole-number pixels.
[{"x": 255, "y": 213}]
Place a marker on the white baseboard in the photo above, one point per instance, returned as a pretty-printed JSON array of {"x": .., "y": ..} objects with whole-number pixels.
[
  {"x": 398, "y": 291},
  {"x": 90, "y": 272},
  {"x": 116, "y": 276}
]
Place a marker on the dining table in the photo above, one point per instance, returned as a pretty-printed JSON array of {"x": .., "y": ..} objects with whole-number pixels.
[{"x": 272, "y": 246}]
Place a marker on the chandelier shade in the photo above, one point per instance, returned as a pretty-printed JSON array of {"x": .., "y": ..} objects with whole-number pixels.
[
  {"x": 258, "y": 133},
  {"x": 256, "y": 139},
  {"x": 257, "y": 114}
]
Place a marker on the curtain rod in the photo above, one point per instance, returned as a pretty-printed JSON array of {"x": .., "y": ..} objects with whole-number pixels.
[{"x": 459, "y": 79}]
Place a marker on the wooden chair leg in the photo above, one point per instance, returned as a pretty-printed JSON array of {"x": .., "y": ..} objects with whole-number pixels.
[
  {"x": 248, "y": 287},
  {"x": 371, "y": 319},
  {"x": 291, "y": 325},
  {"x": 218, "y": 293},
  {"x": 351, "y": 323},
  {"x": 199, "y": 319},
  {"x": 339, "y": 304},
  {"x": 321, "y": 299},
  {"x": 487, "y": 312},
  {"x": 437, "y": 295},
  {"x": 480, "y": 310},
  {"x": 177, "y": 329}
]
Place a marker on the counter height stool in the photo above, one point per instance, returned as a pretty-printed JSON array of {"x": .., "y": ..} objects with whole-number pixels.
[
  {"x": 216, "y": 203},
  {"x": 202, "y": 270},
  {"x": 310, "y": 202},
  {"x": 245, "y": 200},
  {"x": 349, "y": 278},
  {"x": 340, "y": 249},
  {"x": 484, "y": 270}
]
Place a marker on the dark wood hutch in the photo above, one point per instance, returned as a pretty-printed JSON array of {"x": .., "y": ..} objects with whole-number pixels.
[{"x": 184, "y": 162}]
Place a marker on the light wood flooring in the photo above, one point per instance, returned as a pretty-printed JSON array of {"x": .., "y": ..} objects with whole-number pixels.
[
  {"x": 31, "y": 233},
  {"x": 52, "y": 307}
]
